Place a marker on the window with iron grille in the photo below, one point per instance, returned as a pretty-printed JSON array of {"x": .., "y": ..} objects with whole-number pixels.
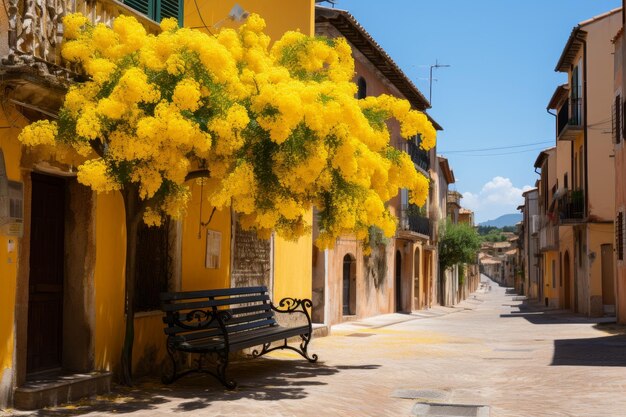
[
  {"x": 158, "y": 10},
  {"x": 152, "y": 271},
  {"x": 619, "y": 236},
  {"x": 617, "y": 119}
]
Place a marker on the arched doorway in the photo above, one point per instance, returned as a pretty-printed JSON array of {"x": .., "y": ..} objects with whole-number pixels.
[
  {"x": 349, "y": 284},
  {"x": 566, "y": 281},
  {"x": 398, "y": 281}
]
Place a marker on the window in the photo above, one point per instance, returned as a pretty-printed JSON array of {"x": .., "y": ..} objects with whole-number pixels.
[
  {"x": 158, "y": 10},
  {"x": 152, "y": 273},
  {"x": 362, "y": 88}
]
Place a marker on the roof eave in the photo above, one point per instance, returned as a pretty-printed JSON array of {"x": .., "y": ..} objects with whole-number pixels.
[
  {"x": 572, "y": 47},
  {"x": 350, "y": 28}
]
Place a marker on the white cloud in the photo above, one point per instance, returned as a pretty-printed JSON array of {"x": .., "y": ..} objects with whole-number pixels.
[{"x": 497, "y": 197}]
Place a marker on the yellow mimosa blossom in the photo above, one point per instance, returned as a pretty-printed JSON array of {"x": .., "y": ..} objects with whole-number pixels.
[{"x": 278, "y": 129}]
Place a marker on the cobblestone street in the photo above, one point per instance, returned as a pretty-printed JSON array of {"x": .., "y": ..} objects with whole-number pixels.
[{"x": 490, "y": 350}]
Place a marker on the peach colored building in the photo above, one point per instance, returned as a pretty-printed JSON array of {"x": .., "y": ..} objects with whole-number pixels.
[
  {"x": 400, "y": 274},
  {"x": 546, "y": 227},
  {"x": 619, "y": 135},
  {"x": 584, "y": 200}
]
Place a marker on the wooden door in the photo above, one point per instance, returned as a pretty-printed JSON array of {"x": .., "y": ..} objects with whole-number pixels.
[
  {"x": 398, "y": 281},
  {"x": 45, "y": 295},
  {"x": 608, "y": 275},
  {"x": 347, "y": 264}
]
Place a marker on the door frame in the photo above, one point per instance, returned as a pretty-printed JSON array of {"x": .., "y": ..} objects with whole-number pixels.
[{"x": 80, "y": 207}]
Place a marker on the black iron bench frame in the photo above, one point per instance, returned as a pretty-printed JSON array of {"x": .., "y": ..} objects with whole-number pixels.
[{"x": 207, "y": 324}]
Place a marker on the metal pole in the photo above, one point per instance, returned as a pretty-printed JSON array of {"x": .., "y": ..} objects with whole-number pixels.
[{"x": 430, "y": 79}]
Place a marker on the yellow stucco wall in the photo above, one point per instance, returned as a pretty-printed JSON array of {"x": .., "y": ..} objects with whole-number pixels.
[
  {"x": 280, "y": 16},
  {"x": 293, "y": 267},
  {"x": 8, "y": 268},
  {"x": 194, "y": 274},
  {"x": 109, "y": 280}
]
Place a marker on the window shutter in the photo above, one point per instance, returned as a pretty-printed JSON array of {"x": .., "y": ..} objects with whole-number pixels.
[
  {"x": 142, "y": 6},
  {"x": 623, "y": 120},
  {"x": 619, "y": 238},
  {"x": 158, "y": 10},
  {"x": 169, "y": 8},
  {"x": 617, "y": 116}
]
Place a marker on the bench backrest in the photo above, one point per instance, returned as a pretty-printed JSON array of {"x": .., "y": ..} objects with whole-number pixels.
[{"x": 190, "y": 315}]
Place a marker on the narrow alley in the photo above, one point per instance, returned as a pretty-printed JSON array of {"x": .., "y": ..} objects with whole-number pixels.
[{"x": 491, "y": 350}]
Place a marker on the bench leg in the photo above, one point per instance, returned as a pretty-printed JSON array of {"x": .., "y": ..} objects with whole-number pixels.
[
  {"x": 168, "y": 378},
  {"x": 306, "y": 339},
  {"x": 222, "y": 363}
]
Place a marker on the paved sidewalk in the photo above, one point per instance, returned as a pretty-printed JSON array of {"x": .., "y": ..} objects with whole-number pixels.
[{"x": 489, "y": 350}]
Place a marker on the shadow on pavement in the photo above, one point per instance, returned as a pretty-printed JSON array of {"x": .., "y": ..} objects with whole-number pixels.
[
  {"x": 547, "y": 317},
  {"x": 258, "y": 380},
  {"x": 599, "y": 351}
]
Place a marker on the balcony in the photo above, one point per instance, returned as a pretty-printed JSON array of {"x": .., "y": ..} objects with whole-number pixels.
[
  {"x": 570, "y": 119},
  {"x": 33, "y": 69},
  {"x": 572, "y": 207},
  {"x": 548, "y": 235},
  {"x": 419, "y": 156},
  {"x": 412, "y": 220}
]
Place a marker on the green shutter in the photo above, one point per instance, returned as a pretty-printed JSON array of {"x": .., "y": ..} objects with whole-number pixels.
[
  {"x": 169, "y": 8},
  {"x": 142, "y": 6}
]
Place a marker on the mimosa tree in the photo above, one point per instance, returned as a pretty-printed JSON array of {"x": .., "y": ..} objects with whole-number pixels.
[{"x": 272, "y": 131}]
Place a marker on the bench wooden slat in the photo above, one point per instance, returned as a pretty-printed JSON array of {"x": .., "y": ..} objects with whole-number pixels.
[
  {"x": 206, "y": 304},
  {"x": 230, "y": 323},
  {"x": 172, "y": 296},
  {"x": 250, "y": 309},
  {"x": 250, "y": 325},
  {"x": 245, "y": 340}
]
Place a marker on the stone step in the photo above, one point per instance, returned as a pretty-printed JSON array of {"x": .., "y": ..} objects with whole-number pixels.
[{"x": 52, "y": 390}]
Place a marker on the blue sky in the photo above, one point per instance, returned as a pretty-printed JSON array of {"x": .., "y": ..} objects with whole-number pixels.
[{"x": 502, "y": 55}]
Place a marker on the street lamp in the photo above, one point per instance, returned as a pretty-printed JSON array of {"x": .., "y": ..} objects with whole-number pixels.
[{"x": 430, "y": 79}]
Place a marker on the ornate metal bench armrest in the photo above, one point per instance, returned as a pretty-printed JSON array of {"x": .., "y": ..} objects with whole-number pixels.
[
  {"x": 200, "y": 319},
  {"x": 294, "y": 305}
]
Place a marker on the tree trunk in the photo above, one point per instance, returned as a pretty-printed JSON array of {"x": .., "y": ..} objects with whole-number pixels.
[{"x": 133, "y": 211}]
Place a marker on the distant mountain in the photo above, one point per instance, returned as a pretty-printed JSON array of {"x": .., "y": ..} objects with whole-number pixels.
[{"x": 504, "y": 220}]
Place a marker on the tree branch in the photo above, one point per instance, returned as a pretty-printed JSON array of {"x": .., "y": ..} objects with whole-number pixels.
[
  {"x": 98, "y": 147},
  {"x": 200, "y": 173}
]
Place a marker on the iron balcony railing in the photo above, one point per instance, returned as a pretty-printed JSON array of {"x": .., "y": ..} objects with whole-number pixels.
[
  {"x": 572, "y": 206},
  {"x": 35, "y": 29},
  {"x": 412, "y": 220},
  {"x": 419, "y": 156},
  {"x": 570, "y": 117}
]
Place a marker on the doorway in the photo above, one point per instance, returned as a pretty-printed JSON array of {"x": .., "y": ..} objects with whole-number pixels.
[
  {"x": 567, "y": 282},
  {"x": 418, "y": 285},
  {"x": 398, "y": 281},
  {"x": 349, "y": 284},
  {"x": 608, "y": 274},
  {"x": 45, "y": 290}
]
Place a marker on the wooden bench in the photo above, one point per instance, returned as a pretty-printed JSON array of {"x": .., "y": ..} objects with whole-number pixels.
[{"x": 217, "y": 322}]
